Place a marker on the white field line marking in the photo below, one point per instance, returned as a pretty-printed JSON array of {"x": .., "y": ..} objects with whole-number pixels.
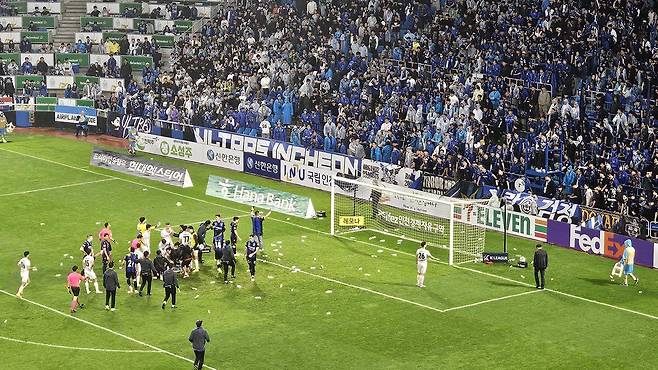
[
  {"x": 355, "y": 286},
  {"x": 103, "y": 328},
  {"x": 324, "y": 232},
  {"x": 491, "y": 300},
  {"x": 56, "y": 187},
  {"x": 79, "y": 348}
]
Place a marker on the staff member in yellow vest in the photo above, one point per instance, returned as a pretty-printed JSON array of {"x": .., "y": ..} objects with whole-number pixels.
[{"x": 3, "y": 127}]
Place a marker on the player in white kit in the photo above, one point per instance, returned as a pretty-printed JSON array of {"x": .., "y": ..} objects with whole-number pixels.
[
  {"x": 25, "y": 265},
  {"x": 88, "y": 269},
  {"x": 422, "y": 255},
  {"x": 166, "y": 235}
]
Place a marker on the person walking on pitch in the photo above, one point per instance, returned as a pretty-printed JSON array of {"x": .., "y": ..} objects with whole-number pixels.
[
  {"x": 170, "y": 283},
  {"x": 540, "y": 262},
  {"x": 111, "y": 284},
  {"x": 250, "y": 253},
  {"x": 88, "y": 270},
  {"x": 25, "y": 265},
  {"x": 199, "y": 337},
  {"x": 628, "y": 259},
  {"x": 228, "y": 260},
  {"x": 422, "y": 256},
  {"x": 146, "y": 273}
]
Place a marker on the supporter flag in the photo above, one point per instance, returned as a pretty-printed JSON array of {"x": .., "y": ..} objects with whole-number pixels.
[{"x": 595, "y": 222}]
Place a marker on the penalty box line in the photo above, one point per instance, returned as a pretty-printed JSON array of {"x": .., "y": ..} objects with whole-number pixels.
[
  {"x": 78, "y": 348},
  {"x": 156, "y": 349},
  {"x": 326, "y": 233}
]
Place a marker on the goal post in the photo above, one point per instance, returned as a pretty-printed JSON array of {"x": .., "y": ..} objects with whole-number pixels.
[{"x": 443, "y": 222}]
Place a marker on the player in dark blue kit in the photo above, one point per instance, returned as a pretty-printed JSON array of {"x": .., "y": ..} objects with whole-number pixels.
[
  {"x": 257, "y": 226},
  {"x": 218, "y": 229},
  {"x": 106, "y": 250},
  {"x": 130, "y": 262},
  {"x": 234, "y": 233},
  {"x": 250, "y": 254}
]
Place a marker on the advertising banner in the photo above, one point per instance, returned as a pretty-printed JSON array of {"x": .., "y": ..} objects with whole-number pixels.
[
  {"x": 8, "y": 57},
  {"x": 68, "y": 114},
  {"x": 599, "y": 242},
  {"x": 141, "y": 167},
  {"x": 307, "y": 176},
  {"x": 36, "y": 37},
  {"x": 59, "y": 82},
  {"x": 335, "y": 162},
  {"x": 138, "y": 62},
  {"x": 262, "y": 166},
  {"x": 436, "y": 184},
  {"x": 516, "y": 223},
  {"x": 105, "y": 23},
  {"x": 557, "y": 210},
  {"x": 164, "y": 41},
  {"x": 81, "y": 59},
  {"x": 386, "y": 172},
  {"x": 39, "y": 21},
  {"x": 189, "y": 151},
  {"x": 261, "y": 197}
]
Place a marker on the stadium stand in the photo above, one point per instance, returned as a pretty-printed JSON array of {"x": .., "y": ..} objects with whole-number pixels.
[{"x": 559, "y": 94}]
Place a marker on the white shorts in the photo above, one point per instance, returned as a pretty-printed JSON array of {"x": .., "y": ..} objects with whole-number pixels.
[
  {"x": 422, "y": 267},
  {"x": 25, "y": 277},
  {"x": 90, "y": 274}
]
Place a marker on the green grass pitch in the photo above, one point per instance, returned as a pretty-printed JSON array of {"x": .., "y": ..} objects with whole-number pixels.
[{"x": 353, "y": 305}]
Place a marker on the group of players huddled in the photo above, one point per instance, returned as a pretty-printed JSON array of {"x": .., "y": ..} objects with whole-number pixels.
[{"x": 178, "y": 252}]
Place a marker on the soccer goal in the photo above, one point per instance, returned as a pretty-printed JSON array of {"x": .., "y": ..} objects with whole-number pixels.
[{"x": 443, "y": 222}]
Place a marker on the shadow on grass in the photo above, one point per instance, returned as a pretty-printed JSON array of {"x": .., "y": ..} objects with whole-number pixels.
[{"x": 601, "y": 282}]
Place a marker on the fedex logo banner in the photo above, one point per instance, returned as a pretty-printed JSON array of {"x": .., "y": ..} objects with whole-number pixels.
[{"x": 598, "y": 242}]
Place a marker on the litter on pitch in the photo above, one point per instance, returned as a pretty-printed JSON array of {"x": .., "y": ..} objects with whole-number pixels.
[
  {"x": 275, "y": 250},
  {"x": 270, "y": 277},
  {"x": 239, "y": 286},
  {"x": 328, "y": 291},
  {"x": 328, "y": 313},
  {"x": 394, "y": 254},
  {"x": 34, "y": 268},
  {"x": 66, "y": 254},
  {"x": 366, "y": 274},
  {"x": 258, "y": 297},
  {"x": 4, "y": 322},
  {"x": 42, "y": 224},
  {"x": 279, "y": 242},
  {"x": 61, "y": 263},
  {"x": 399, "y": 241},
  {"x": 372, "y": 237},
  {"x": 303, "y": 236},
  {"x": 208, "y": 311},
  {"x": 196, "y": 296},
  {"x": 312, "y": 267},
  {"x": 193, "y": 288},
  {"x": 213, "y": 282},
  {"x": 280, "y": 254},
  {"x": 522, "y": 277},
  {"x": 638, "y": 292},
  {"x": 380, "y": 251},
  {"x": 281, "y": 285},
  {"x": 373, "y": 255},
  {"x": 360, "y": 268},
  {"x": 382, "y": 241},
  {"x": 98, "y": 222},
  {"x": 178, "y": 204},
  {"x": 145, "y": 189},
  {"x": 58, "y": 275}
]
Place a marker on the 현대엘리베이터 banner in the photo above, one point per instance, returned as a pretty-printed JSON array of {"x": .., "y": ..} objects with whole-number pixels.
[{"x": 141, "y": 167}]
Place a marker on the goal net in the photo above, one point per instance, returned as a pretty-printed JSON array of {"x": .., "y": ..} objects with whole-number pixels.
[{"x": 443, "y": 222}]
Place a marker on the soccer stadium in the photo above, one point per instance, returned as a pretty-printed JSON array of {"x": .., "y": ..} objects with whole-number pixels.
[{"x": 326, "y": 184}]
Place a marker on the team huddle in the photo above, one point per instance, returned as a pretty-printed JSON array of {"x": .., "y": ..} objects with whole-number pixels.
[{"x": 178, "y": 252}]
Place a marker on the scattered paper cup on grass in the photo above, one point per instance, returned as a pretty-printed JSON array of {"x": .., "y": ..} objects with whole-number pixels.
[
  {"x": 270, "y": 277},
  {"x": 42, "y": 224},
  {"x": 258, "y": 297},
  {"x": 380, "y": 251},
  {"x": 382, "y": 241},
  {"x": 281, "y": 285},
  {"x": 196, "y": 296},
  {"x": 394, "y": 254},
  {"x": 239, "y": 286},
  {"x": 178, "y": 204},
  {"x": 328, "y": 291},
  {"x": 328, "y": 313},
  {"x": 58, "y": 275},
  {"x": 372, "y": 237}
]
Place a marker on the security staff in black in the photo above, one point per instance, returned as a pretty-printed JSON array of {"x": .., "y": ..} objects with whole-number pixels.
[
  {"x": 199, "y": 337},
  {"x": 147, "y": 272},
  {"x": 228, "y": 260},
  {"x": 540, "y": 262},
  {"x": 170, "y": 282}
]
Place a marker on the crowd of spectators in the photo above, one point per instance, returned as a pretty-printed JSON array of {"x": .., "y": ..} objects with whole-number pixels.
[{"x": 563, "y": 92}]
